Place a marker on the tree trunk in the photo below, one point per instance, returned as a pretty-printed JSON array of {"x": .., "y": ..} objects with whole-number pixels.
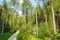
[
  {"x": 25, "y": 20},
  {"x": 45, "y": 16},
  {"x": 36, "y": 25},
  {"x": 44, "y": 10},
  {"x": 54, "y": 25},
  {"x": 3, "y": 27},
  {"x": 53, "y": 15}
]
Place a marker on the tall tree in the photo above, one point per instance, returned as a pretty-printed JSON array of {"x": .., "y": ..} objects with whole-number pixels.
[
  {"x": 44, "y": 9},
  {"x": 4, "y": 13},
  {"x": 26, "y": 4},
  {"x": 53, "y": 16}
]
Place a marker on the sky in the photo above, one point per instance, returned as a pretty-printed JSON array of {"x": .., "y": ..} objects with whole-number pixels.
[
  {"x": 32, "y": 1},
  {"x": 1, "y": 1}
]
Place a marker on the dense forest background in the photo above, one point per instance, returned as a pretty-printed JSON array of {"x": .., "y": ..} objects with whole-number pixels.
[{"x": 34, "y": 22}]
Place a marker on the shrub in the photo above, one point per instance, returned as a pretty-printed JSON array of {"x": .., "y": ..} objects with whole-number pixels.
[
  {"x": 20, "y": 36},
  {"x": 29, "y": 28},
  {"x": 5, "y": 36},
  {"x": 30, "y": 37},
  {"x": 58, "y": 36},
  {"x": 44, "y": 30}
]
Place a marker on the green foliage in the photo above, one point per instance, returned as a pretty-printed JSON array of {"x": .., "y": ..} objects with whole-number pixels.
[
  {"x": 30, "y": 37},
  {"x": 57, "y": 36},
  {"x": 6, "y": 28},
  {"x": 20, "y": 36},
  {"x": 29, "y": 28},
  {"x": 12, "y": 21},
  {"x": 5, "y": 36},
  {"x": 44, "y": 30}
]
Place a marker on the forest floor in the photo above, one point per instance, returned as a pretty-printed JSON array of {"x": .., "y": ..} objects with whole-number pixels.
[{"x": 14, "y": 36}]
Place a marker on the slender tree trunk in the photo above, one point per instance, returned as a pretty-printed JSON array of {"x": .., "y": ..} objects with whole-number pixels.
[
  {"x": 36, "y": 29},
  {"x": 36, "y": 25},
  {"x": 4, "y": 14},
  {"x": 3, "y": 26},
  {"x": 54, "y": 25},
  {"x": 53, "y": 15},
  {"x": 25, "y": 19},
  {"x": 45, "y": 15}
]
